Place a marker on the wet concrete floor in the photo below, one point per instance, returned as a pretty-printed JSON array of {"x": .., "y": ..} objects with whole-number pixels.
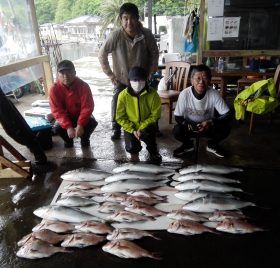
[{"x": 257, "y": 154}]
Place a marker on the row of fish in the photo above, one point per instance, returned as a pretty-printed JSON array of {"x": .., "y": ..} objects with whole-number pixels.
[{"x": 126, "y": 195}]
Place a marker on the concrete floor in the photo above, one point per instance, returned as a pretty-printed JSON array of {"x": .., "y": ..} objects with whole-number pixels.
[{"x": 258, "y": 154}]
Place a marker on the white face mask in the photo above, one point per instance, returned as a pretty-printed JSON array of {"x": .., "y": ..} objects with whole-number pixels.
[{"x": 137, "y": 86}]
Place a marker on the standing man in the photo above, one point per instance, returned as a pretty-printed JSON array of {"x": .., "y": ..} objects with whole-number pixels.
[
  {"x": 200, "y": 110},
  {"x": 131, "y": 45},
  {"x": 138, "y": 110},
  {"x": 72, "y": 105}
]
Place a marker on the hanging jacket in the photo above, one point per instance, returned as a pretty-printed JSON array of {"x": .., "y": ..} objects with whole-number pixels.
[{"x": 137, "y": 112}]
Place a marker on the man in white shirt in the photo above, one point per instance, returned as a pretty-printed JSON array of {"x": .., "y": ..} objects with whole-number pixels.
[{"x": 200, "y": 110}]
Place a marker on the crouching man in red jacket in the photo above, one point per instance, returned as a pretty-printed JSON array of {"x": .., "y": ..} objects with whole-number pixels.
[{"x": 72, "y": 105}]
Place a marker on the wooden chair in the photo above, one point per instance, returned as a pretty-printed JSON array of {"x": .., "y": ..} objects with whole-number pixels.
[
  {"x": 277, "y": 86},
  {"x": 246, "y": 81},
  {"x": 176, "y": 78}
]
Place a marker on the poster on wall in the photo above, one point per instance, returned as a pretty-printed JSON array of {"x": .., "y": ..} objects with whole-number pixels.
[
  {"x": 216, "y": 8},
  {"x": 231, "y": 27},
  {"x": 215, "y": 29}
]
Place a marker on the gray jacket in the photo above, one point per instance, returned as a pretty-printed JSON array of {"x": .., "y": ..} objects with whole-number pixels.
[{"x": 126, "y": 53}]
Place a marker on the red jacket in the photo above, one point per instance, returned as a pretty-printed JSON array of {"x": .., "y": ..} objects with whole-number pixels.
[{"x": 74, "y": 102}]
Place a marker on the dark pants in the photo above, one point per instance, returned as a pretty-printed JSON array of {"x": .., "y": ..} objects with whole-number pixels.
[
  {"x": 18, "y": 129},
  {"x": 133, "y": 145},
  {"x": 117, "y": 90},
  {"x": 88, "y": 129},
  {"x": 216, "y": 133}
]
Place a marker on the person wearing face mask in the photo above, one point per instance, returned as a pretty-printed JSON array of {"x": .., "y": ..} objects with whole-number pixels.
[
  {"x": 130, "y": 45},
  {"x": 138, "y": 110},
  {"x": 72, "y": 104},
  {"x": 200, "y": 110}
]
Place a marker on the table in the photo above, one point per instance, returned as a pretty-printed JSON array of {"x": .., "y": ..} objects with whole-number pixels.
[{"x": 238, "y": 73}]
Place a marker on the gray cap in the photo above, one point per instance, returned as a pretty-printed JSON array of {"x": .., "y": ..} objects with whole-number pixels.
[{"x": 65, "y": 65}]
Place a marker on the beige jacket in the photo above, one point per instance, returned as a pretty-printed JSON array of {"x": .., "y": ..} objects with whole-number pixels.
[{"x": 126, "y": 53}]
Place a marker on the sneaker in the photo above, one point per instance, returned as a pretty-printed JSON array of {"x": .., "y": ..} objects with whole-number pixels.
[
  {"x": 215, "y": 150},
  {"x": 85, "y": 143},
  {"x": 116, "y": 135},
  {"x": 68, "y": 144},
  {"x": 183, "y": 149},
  {"x": 134, "y": 158},
  {"x": 155, "y": 158}
]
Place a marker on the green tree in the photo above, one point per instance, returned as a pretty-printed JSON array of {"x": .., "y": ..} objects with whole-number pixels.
[
  {"x": 45, "y": 10},
  {"x": 86, "y": 7},
  {"x": 64, "y": 10}
]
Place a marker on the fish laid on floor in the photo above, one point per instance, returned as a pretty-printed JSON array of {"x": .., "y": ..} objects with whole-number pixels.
[
  {"x": 85, "y": 174},
  {"x": 44, "y": 235},
  {"x": 193, "y": 194},
  {"x": 75, "y": 201},
  {"x": 114, "y": 197},
  {"x": 216, "y": 169},
  {"x": 62, "y": 213},
  {"x": 144, "y": 209},
  {"x": 94, "y": 227},
  {"x": 133, "y": 175},
  {"x": 127, "y": 216},
  {"x": 128, "y": 185},
  {"x": 142, "y": 199},
  {"x": 206, "y": 186},
  {"x": 146, "y": 193},
  {"x": 187, "y": 227},
  {"x": 128, "y": 249},
  {"x": 81, "y": 193},
  {"x": 36, "y": 249},
  {"x": 185, "y": 215},
  {"x": 227, "y": 214},
  {"x": 205, "y": 176},
  {"x": 109, "y": 207},
  {"x": 81, "y": 240},
  {"x": 211, "y": 204},
  {"x": 87, "y": 185},
  {"x": 237, "y": 226},
  {"x": 129, "y": 234},
  {"x": 142, "y": 167},
  {"x": 55, "y": 226}
]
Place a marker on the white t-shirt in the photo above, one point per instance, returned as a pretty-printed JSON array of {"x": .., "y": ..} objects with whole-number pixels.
[{"x": 200, "y": 110}]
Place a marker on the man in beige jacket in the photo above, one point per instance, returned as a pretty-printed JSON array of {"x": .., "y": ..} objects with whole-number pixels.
[{"x": 131, "y": 45}]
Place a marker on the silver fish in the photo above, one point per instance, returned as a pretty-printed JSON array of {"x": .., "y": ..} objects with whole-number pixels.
[
  {"x": 55, "y": 226},
  {"x": 193, "y": 194},
  {"x": 75, "y": 201},
  {"x": 81, "y": 240},
  {"x": 114, "y": 197},
  {"x": 85, "y": 174},
  {"x": 129, "y": 234},
  {"x": 133, "y": 184},
  {"x": 109, "y": 207},
  {"x": 127, "y": 216},
  {"x": 146, "y": 210},
  {"x": 211, "y": 204},
  {"x": 185, "y": 215},
  {"x": 44, "y": 235},
  {"x": 206, "y": 186},
  {"x": 205, "y": 176},
  {"x": 222, "y": 215},
  {"x": 237, "y": 226},
  {"x": 81, "y": 193},
  {"x": 147, "y": 168},
  {"x": 216, "y": 169},
  {"x": 128, "y": 249},
  {"x": 80, "y": 185},
  {"x": 94, "y": 227},
  {"x": 186, "y": 227},
  {"x": 142, "y": 199},
  {"x": 62, "y": 213},
  {"x": 36, "y": 249},
  {"x": 133, "y": 175}
]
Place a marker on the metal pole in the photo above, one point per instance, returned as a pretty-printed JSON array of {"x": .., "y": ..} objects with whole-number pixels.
[{"x": 150, "y": 7}]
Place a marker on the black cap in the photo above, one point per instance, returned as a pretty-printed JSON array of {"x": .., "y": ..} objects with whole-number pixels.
[
  {"x": 65, "y": 65},
  {"x": 137, "y": 73}
]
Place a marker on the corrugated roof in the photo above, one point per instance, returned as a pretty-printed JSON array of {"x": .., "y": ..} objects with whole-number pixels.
[{"x": 84, "y": 19}]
